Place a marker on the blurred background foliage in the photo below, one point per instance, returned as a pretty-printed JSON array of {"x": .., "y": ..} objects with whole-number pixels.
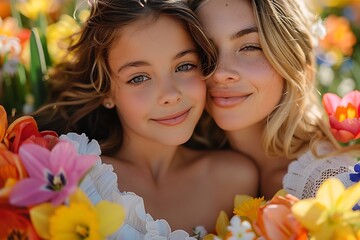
[
  {"x": 33, "y": 37},
  {"x": 338, "y": 53}
]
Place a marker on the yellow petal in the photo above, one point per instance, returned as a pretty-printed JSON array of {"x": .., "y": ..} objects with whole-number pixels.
[
  {"x": 80, "y": 197},
  {"x": 111, "y": 216},
  {"x": 239, "y": 199},
  {"x": 310, "y": 213},
  {"x": 40, "y": 216},
  {"x": 330, "y": 192},
  {"x": 221, "y": 224},
  {"x": 349, "y": 198},
  {"x": 209, "y": 237},
  {"x": 281, "y": 192},
  {"x": 324, "y": 233}
]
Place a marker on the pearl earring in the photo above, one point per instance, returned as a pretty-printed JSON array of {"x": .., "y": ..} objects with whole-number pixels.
[{"x": 108, "y": 105}]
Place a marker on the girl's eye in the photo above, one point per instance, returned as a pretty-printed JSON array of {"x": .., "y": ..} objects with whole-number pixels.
[
  {"x": 138, "y": 80},
  {"x": 185, "y": 67}
]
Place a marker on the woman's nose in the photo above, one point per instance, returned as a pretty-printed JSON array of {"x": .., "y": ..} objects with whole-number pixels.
[{"x": 227, "y": 70}]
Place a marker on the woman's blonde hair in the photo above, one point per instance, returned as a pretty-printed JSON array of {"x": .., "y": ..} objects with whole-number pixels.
[
  {"x": 287, "y": 40},
  {"x": 78, "y": 87}
]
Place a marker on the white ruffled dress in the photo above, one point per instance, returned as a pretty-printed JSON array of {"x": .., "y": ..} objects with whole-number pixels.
[
  {"x": 306, "y": 174},
  {"x": 101, "y": 184}
]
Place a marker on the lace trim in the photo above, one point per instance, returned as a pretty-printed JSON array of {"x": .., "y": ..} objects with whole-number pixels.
[{"x": 306, "y": 174}]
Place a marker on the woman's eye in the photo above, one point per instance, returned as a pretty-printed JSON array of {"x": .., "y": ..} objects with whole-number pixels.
[
  {"x": 138, "y": 79},
  {"x": 185, "y": 67},
  {"x": 251, "y": 48}
]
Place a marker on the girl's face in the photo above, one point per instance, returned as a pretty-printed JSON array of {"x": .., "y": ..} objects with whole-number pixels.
[
  {"x": 245, "y": 88},
  {"x": 156, "y": 83}
]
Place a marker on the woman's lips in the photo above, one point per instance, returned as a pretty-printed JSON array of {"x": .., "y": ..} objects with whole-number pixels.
[
  {"x": 173, "y": 119},
  {"x": 227, "y": 99}
]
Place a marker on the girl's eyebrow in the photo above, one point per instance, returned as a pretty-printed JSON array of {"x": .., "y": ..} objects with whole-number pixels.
[
  {"x": 183, "y": 53},
  {"x": 243, "y": 32},
  {"x": 133, "y": 64},
  {"x": 143, "y": 63}
]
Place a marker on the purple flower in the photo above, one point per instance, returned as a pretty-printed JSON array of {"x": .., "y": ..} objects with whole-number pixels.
[
  {"x": 53, "y": 175},
  {"x": 355, "y": 177}
]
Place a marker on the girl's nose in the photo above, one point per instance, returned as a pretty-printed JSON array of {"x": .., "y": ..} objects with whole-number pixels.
[{"x": 169, "y": 93}]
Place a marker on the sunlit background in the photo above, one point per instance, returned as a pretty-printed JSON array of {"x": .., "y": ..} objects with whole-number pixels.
[{"x": 32, "y": 40}]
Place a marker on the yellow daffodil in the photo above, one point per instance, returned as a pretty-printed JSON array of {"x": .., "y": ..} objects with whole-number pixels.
[
  {"x": 246, "y": 206},
  {"x": 222, "y": 222},
  {"x": 78, "y": 220},
  {"x": 33, "y": 8},
  {"x": 57, "y": 37},
  {"x": 329, "y": 215}
]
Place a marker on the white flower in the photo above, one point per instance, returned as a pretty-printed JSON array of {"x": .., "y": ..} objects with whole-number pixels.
[
  {"x": 318, "y": 30},
  {"x": 160, "y": 230},
  {"x": 200, "y": 231},
  {"x": 82, "y": 143},
  {"x": 9, "y": 45},
  {"x": 240, "y": 230}
]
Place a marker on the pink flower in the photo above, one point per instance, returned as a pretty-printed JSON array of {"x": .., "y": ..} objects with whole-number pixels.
[
  {"x": 343, "y": 115},
  {"x": 54, "y": 174}
]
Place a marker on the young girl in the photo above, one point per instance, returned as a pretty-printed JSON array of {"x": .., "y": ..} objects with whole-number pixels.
[
  {"x": 136, "y": 85},
  {"x": 262, "y": 94}
]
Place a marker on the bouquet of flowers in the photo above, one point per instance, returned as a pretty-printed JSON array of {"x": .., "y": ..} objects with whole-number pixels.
[
  {"x": 334, "y": 213},
  {"x": 39, "y": 177}
]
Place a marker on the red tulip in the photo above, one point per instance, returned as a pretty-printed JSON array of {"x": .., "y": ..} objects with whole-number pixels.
[
  {"x": 343, "y": 115},
  {"x": 276, "y": 221},
  {"x": 15, "y": 223}
]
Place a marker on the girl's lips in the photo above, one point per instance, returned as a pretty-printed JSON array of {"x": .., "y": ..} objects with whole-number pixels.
[{"x": 173, "y": 119}]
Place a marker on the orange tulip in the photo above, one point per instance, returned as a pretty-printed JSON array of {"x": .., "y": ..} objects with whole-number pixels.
[
  {"x": 22, "y": 129},
  {"x": 11, "y": 171},
  {"x": 275, "y": 220},
  {"x": 15, "y": 223},
  {"x": 3, "y": 123},
  {"x": 344, "y": 115}
]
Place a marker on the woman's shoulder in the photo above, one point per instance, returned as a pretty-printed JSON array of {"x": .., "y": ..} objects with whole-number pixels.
[
  {"x": 307, "y": 173},
  {"x": 228, "y": 168}
]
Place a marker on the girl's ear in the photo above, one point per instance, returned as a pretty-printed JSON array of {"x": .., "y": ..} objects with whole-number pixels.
[{"x": 108, "y": 103}]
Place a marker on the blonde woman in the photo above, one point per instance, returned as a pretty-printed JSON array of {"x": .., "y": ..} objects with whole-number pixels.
[{"x": 262, "y": 98}]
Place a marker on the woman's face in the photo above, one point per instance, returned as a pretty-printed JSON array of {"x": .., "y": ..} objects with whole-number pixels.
[
  {"x": 245, "y": 88},
  {"x": 156, "y": 84}
]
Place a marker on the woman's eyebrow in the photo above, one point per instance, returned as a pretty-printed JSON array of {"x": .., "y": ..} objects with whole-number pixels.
[{"x": 243, "y": 32}]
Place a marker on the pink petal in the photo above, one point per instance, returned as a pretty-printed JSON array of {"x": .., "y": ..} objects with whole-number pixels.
[
  {"x": 60, "y": 196},
  {"x": 29, "y": 192},
  {"x": 352, "y": 97},
  {"x": 350, "y": 125},
  {"x": 63, "y": 157},
  {"x": 35, "y": 159},
  {"x": 274, "y": 222},
  {"x": 342, "y": 135},
  {"x": 330, "y": 102},
  {"x": 84, "y": 163}
]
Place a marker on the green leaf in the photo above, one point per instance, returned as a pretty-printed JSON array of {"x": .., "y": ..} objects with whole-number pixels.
[{"x": 38, "y": 68}]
